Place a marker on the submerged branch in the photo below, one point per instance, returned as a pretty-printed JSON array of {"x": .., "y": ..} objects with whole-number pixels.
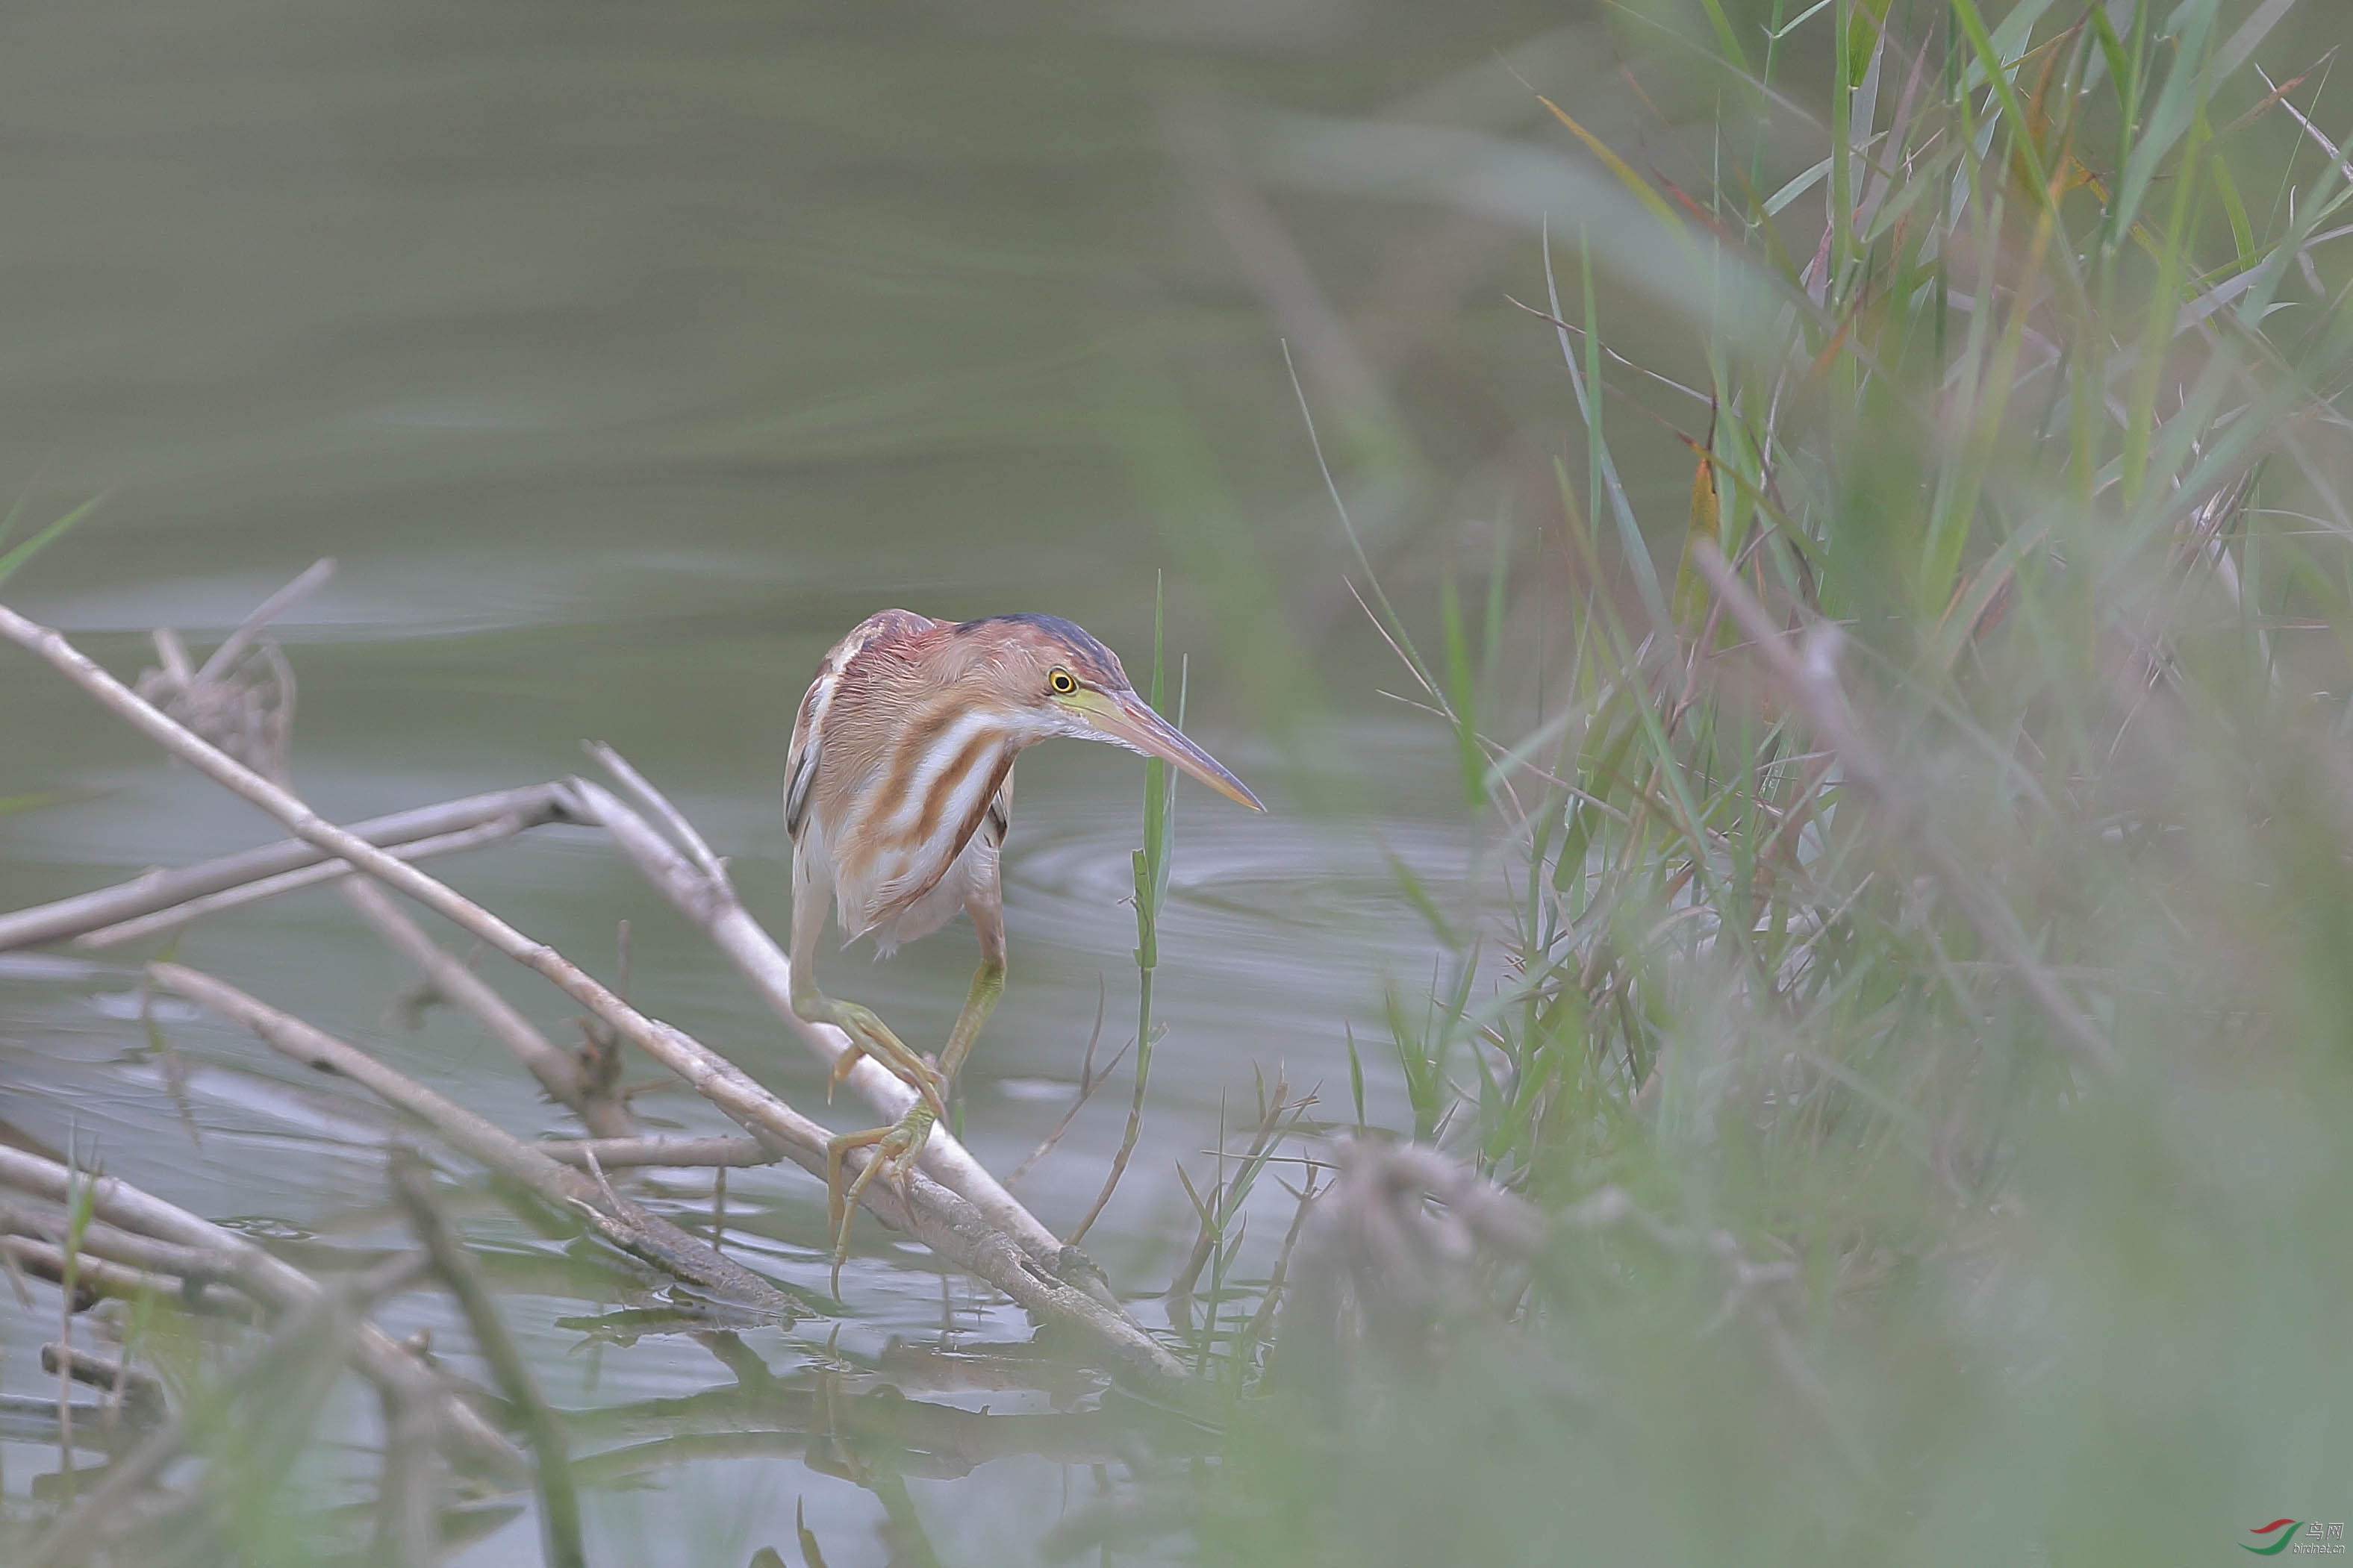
[
  {"x": 277, "y": 1285},
  {"x": 286, "y": 1378}
]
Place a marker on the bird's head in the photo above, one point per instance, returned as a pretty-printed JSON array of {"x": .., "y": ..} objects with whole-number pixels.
[{"x": 1059, "y": 681}]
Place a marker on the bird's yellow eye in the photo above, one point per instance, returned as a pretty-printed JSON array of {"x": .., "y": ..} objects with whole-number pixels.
[{"x": 1059, "y": 682}]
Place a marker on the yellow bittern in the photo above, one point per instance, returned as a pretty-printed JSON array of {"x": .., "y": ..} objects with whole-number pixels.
[{"x": 897, "y": 792}]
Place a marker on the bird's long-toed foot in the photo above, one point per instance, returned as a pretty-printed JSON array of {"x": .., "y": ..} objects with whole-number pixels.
[
  {"x": 869, "y": 1036},
  {"x": 896, "y": 1148}
]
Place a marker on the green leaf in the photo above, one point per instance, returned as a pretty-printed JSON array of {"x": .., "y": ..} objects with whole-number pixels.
[
  {"x": 2169, "y": 120},
  {"x": 33, "y": 546}
]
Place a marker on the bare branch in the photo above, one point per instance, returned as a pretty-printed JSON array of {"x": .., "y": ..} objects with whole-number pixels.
[
  {"x": 96, "y": 1277},
  {"x": 626, "y": 1224},
  {"x": 139, "y": 1394},
  {"x": 713, "y": 867},
  {"x": 560, "y": 1073},
  {"x": 407, "y": 1511},
  {"x": 615, "y": 1153},
  {"x": 173, "y": 654},
  {"x": 163, "y": 923},
  {"x": 277, "y": 1284},
  {"x": 408, "y": 834},
  {"x": 197, "y": 1265},
  {"x": 714, "y": 907},
  {"x": 1387, "y": 1251},
  {"x": 233, "y": 648}
]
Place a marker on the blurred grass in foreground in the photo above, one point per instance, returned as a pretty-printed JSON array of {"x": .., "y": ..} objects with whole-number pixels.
[{"x": 1857, "y": 1258}]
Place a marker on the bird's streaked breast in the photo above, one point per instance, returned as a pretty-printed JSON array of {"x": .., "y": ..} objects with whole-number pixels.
[
  {"x": 921, "y": 808},
  {"x": 939, "y": 748},
  {"x": 959, "y": 788}
]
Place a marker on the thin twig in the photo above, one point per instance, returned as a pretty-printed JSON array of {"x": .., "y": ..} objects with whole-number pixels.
[
  {"x": 233, "y": 647},
  {"x": 1696, "y": 396},
  {"x": 1089, "y": 1080},
  {"x": 617, "y": 1153},
  {"x": 164, "y": 923},
  {"x": 1129, "y": 1136},
  {"x": 559, "y": 1503},
  {"x": 713, "y": 867},
  {"x": 411, "y": 834},
  {"x": 559, "y": 1073}
]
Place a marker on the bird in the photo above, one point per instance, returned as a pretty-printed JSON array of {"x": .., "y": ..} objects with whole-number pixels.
[{"x": 898, "y": 796}]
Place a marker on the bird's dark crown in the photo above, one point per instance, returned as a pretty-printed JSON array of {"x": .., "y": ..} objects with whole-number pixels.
[{"x": 1089, "y": 659}]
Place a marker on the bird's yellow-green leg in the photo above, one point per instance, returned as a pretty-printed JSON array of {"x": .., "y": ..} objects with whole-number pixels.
[
  {"x": 988, "y": 985},
  {"x": 899, "y": 1147}
]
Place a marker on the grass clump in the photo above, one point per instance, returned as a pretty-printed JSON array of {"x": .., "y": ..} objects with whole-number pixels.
[{"x": 1918, "y": 998}]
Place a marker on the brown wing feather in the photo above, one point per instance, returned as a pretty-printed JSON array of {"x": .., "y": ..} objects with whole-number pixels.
[{"x": 808, "y": 749}]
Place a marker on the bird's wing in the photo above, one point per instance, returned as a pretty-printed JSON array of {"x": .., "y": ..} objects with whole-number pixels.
[
  {"x": 1000, "y": 821},
  {"x": 808, "y": 726}
]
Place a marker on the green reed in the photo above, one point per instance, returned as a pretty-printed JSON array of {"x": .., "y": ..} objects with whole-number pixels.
[{"x": 1859, "y": 1254}]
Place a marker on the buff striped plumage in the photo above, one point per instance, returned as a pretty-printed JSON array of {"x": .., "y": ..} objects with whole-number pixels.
[
  {"x": 899, "y": 764},
  {"x": 898, "y": 789}
]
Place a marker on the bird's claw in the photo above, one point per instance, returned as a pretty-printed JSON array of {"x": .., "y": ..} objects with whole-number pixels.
[
  {"x": 869, "y": 1036},
  {"x": 897, "y": 1149},
  {"x": 921, "y": 1075}
]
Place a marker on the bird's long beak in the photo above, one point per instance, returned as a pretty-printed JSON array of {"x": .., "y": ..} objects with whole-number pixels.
[{"x": 1127, "y": 719}]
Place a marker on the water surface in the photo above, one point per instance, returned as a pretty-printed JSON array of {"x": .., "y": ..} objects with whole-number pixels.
[{"x": 624, "y": 357}]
